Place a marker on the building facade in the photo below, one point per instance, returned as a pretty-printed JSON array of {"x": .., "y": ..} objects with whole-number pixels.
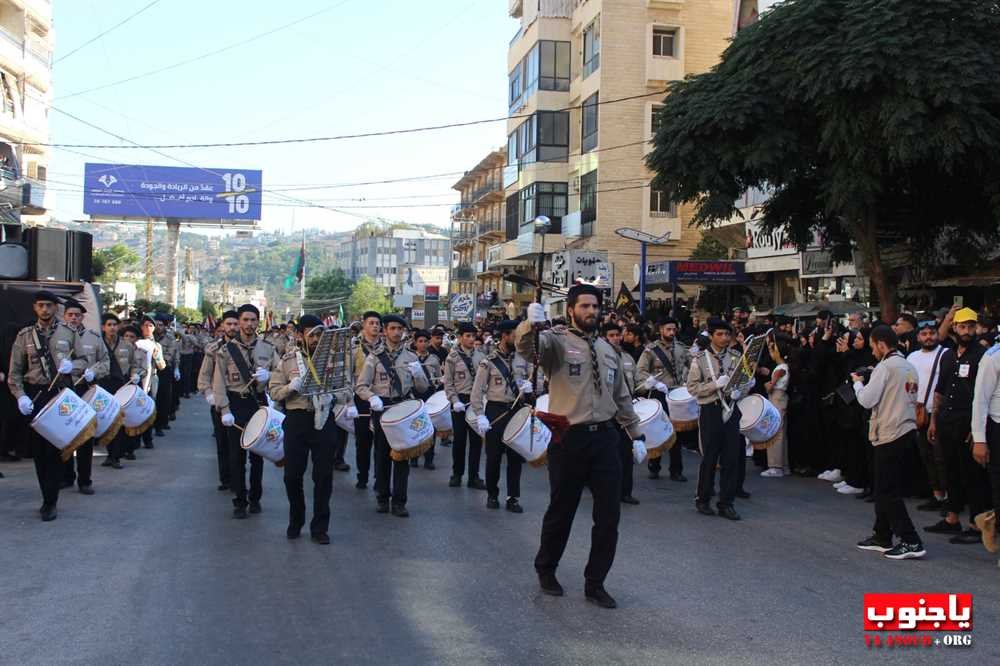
[
  {"x": 394, "y": 257},
  {"x": 26, "y": 43}
]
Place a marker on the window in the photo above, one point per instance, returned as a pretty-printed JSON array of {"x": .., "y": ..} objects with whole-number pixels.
[
  {"x": 664, "y": 40},
  {"x": 553, "y": 136},
  {"x": 515, "y": 87},
  {"x": 660, "y": 205},
  {"x": 549, "y": 199},
  {"x": 512, "y": 215},
  {"x": 588, "y": 203},
  {"x": 654, "y": 118},
  {"x": 592, "y": 48},
  {"x": 554, "y": 60},
  {"x": 526, "y": 140},
  {"x": 512, "y": 148},
  {"x": 529, "y": 73},
  {"x": 589, "y": 123}
]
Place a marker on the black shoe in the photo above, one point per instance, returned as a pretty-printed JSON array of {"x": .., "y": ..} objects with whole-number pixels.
[
  {"x": 933, "y": 504},
  {"x": 48, "y": 512},
  {"x": 550, "y": 585},
  {"x": 107, "y": 462},
  {"x": 129, "y": 456},
  {"x": 400, "y": 511},
  {"x": 322, "y": 539},
  {"x": 222, "y": 487},
  {"x": 414, "y": 463},
  {"x": 906, "y": 551},
  {"x": 863, "y": 496},
  {"x": 86, "y": 490},
  {"x": 149, "y": 445},
  {"x": 65, "y": 484},
  {"x": 293, "y": 531},
  {"x": 944, "y": 527},
  {"x": 166, "y": 426},
  {"x": 173, "y": 417},
  {"x": 492, "y": 503},
  {"x": 455, "y": 482},
  {"x": 870, "y": 499},
  {"x": 158, "y": 433},
  {"x": 967, "y": 536},
  {"x": 628, "y": 499},
  {"x": 342, "y": 467},
  {"x": 116, "y": 464},
  {"x": 361, "y": 485},
  {"x": 254, "y": 507},
  {"x": 876, "y": 544},
  {"x": 477, "y": 484},
  {"x": 678, "y": 477},
  {"x": 654, "y": 475},
  {"x": 429, "y": 465},
  {"x": 446, "y": 445},
  {"x": 704, "y": 508},
  {"x": 742, "y": 494},
  {"x": 513, "y": 506},
  {"x": 596, "y": 594},
  {"x": 383, "y": 507},
  {"x": 728, "y": 513},
  {"x": 240, "y": 512}
]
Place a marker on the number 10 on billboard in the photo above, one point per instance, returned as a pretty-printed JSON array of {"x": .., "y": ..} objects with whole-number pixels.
[{"x": 236, "y": 183}]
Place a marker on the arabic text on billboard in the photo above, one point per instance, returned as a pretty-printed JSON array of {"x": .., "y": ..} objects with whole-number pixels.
[{"x": 124, "y": 190}]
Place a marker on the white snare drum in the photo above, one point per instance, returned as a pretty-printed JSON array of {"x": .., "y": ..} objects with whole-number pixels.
[
  {"x": 683, "y": 409},
  {"x": 66, "y": 422},
  {"x": 340, "y": 416},
  {"x": 439, "y": 409},
  {"x": 408, "y": 429},
  {"x": 531, "y": 443},
  {"x": 264, "y": 434},
  {"x": 760, "y": 420},
  {"x": 109, "y": 413},
  {"x": 139, "y": 409},
  {"x": 542, "y": 404},
  {"x": 654, "y": 424}
]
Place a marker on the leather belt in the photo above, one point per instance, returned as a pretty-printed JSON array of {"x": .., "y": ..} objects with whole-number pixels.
[{"x": 592, "y": 427}]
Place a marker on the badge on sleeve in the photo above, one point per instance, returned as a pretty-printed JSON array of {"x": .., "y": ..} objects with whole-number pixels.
[
  {"x": 574, "y": 369},
  {"x": 611, "y": 376}
]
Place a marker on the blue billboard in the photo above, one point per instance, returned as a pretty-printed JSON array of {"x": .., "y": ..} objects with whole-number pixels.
[{"x": 128, "y": 190}]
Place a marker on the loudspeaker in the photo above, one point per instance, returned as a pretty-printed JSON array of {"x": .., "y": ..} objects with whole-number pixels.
[
  {"x": 47, "y": 253},
  {"x": 12, "y": 233},
  {"x": 79, "y": 257},
  {"x": 14, "y": 261}
]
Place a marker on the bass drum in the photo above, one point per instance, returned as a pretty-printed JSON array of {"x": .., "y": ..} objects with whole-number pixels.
[
  {"x": 139, "y": 409},
  {"x": 408, "y": 429},
  {"x": 439, "y": 409},
  {"x": 760, "y": 420},
  {"x": 530, "y": 441},
  {"x": 340, "y": 416},
  {"x": 110, "y": 416},
  {"x": 66, "y": 422},
  {"x": 265, "y": 436}
]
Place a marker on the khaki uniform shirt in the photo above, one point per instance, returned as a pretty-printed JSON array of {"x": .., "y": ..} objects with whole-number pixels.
[
  {"x": 171, "y": 351},
  {"x": 25, "y": 366},
  {"x": 701, "y": 380},
  {"x": 258, "y": 354},
  {"x": 150, "y": 363},
  {"x": 89, "y": 348},
  {"x": 374, "y": 380},
  {"x": 649, "y": 365},
  {"x": 433, "y": 366},
  {"x": 566, "y": 359},
  {"x": 629, "y": 368},
  {"x": 491, "y": 386},
  {"x": 458, "y": 378},
  {"x": 207, "y": 370},
  {"x": 187, "y": 343},
  {"x": 123, "y": 353},
  {"x": 359, "y": 350},
  {"x": 288, "y": 369}
]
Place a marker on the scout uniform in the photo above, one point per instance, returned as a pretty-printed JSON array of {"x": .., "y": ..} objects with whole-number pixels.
[
  {"x": 206, "y": 374},
  {"x": 89, "y": 348},
  {"x": 359, "y": 350},
  {"x": 123, "y": 365},
  {"x": 668, "y": 363},
  {"x": 151, "y": 360},
  {"x": 186, "y": 350},
  {"x": 628, "y": 461},
  {"x": 165, "y": 378},
  {"x": 459, "y": 373},
  {"x": 432, "y": 371}
]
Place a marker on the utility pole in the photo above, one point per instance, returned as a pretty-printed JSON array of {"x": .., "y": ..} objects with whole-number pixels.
[{"x": 147, "y": 284}]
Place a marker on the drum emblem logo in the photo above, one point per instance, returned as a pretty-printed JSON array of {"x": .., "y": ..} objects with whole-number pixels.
[
  {"x": 418, "y": 424},
  {"x": 273, "y": 431},
  {"x": 100, "y": 404},
  {"x": 140, "y": 402},
  {"x": 66, "y": 407}
]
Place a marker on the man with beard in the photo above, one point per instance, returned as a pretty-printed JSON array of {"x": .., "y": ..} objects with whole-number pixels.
[
  {"x": 632, "y": 341},
  {"x": 927, "y": 361},
  {"x": 951, "y": 425},
  {"x": 587, "y": 388},
  {"x": 663, "y": 366},
  {"x": 228, "y": 327}
]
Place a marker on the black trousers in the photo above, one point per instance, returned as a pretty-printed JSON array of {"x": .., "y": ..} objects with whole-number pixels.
[
  {"x": 993, "y": 443},
  {"x": 628, "y": 462},
  {"x": 164, "y": 397},
  {"x": 891, "y": 517},
  {"x": 721, "y": 444},
  {"x": 363, "y": 439},
  {"x": 221, "y": 447},
  {"x": 464, "y": 436},
  {"x": 242, "y": 409},
  {"x": 968, "y": 482},
  {"x": 175, "y": 395},
  {"x": 934, "y": 463},
  {"x": 676, "y": 451},
  {"x": 302, "y": 440},
  {"x": 79, "y": 467},
  {"x": 48, "y": 459},
  {"x": 118, "y": 445},
  {"x": 582, "y": 460},
  {"x": 339, "y": 443},
  {"x": 187, "y": 365},
  {"x": 496, "y": 449},
  {"x": 387, "y": 470},
  {"x": 197, "y": 359}
]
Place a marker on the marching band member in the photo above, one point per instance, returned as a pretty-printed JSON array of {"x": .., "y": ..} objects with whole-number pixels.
[
  {"x": 432, "y": 370},
  {"x": 229, "y": 325},
  {"x": 364, "y": 344},
  {"x": 721, "y": 441},
  {"x": 132, "y": 336},
  {"x": 587, "y": 387},
  {"x": 123, "y": 368},
  {"x": 459, "y": 372},
  {"x": 389, "y": 375},
  {"x": 308, "y": 432},
  {"x": 613, "y": 334},
  {"x": 242, "y": 369},
  {"x": 153, "y": 365},
  {"x": 663, "y": 366},
  {"x": 165, "y": 375},
  {"x": 40, "y": 355},
  {"x": 501, "y": 379}
]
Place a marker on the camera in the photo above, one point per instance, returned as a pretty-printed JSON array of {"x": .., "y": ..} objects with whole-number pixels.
[{"x": 865, "y": 372}]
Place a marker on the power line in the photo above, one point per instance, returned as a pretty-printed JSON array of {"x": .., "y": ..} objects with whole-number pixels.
[{"x": 105, "y": 32}]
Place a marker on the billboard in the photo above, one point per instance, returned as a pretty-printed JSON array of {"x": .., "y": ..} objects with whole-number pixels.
[
  {"x": 129, "y": 190},
  {"x": 696, "y": 272}
]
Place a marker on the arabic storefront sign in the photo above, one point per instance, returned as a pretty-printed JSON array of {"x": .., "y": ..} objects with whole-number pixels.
[
  {"x": 462, "y": 307},
  {"x": 697, "y": 272},
  {"x": 569, "y": 266}
]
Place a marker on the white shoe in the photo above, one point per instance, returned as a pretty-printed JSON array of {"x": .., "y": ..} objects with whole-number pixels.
[
  {"x": 849, "y": 490},
  {"x": 824, "y": 475},
  {"x": 840, "y": 484},
  {"x": 772, "y": 473},
  {"x": 834, "y": 476}
]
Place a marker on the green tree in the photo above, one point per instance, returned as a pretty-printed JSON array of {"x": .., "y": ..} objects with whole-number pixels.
[
  {"x": 188, "y": 314},
  {"x": 329, "y": 285},
  {"x": 210, "y": 309},
  {"x": 367, "y": 294},
  {"x": 144, "y": 306},
  {"x": 873, "y": 122},
  {"x": 109, "y": 263},
  {"x": 709, "y": 249}
]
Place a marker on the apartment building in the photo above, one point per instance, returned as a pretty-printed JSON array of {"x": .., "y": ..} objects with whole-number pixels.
[
  {"x": 586, "y": 79},
  {"x": 393, "y": 256},
  {"x": 26, "y": 43}
]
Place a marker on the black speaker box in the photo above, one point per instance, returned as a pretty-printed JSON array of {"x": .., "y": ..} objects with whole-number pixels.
[
  {"x": 14, "y": 261},
  {"x": 13, "y": 233},
  {"x": 79, "y": 257},
  {"x": 47, "y": 253}
]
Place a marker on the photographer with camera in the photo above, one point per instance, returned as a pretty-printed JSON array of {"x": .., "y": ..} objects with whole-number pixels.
[{"x": 891, "y": 394}]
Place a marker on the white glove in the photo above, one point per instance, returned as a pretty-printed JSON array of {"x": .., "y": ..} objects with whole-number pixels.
[
  {"x": 352, "y": 412},
  {"x": 662, "y": 388},
  {"x": 88, "y": 375},
  {"x": 25, "y": 405},
  {"x": 136, "y": 378},
  {"x": 295, "y": 385},
  {"x": 536, "y": 313},
  {"x": 525, "y": 386},
  {"x": 482, "y": 424},
  {"x": 376, "y": 403},
  {"x": 177, "y": 374},
  {"x": 262, "y": 375},
  {"x": 415, "y": 367},
  {"x": 721, "y": 382},
  {"x": 638, "y": 451},
  {"x": 228, "y": 420},
  {"x": 210, "y": 398},
  {"x": 3, "y": 376},
  {"x": 650, "y": 383},
  {"x": 459, "y": 406},
  {"x": 736, "y": 395},
  {"x": 65, "y": 366}
]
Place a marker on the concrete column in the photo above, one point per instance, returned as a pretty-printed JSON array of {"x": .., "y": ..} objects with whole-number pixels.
[{"x": 173, "y": 255}]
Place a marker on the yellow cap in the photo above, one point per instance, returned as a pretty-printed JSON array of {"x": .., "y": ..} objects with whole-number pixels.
[{"x": 966, "y": 314}]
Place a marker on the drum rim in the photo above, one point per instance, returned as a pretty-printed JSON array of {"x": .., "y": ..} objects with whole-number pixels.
[
  {"x": 267, "y": 417},
  {"x": 510, "y": 422},
  {"x": 763, "y": 402},
  {"x": 54, "y": 400},
  {"x": 689, "y": 397},
  {"x": 652, "y": 416},
  {"x": 396, "y": 421},
  {"x": 133, "y": 391}
]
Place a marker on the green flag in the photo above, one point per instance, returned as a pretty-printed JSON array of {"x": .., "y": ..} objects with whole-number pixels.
[{"x": 298, "y": 270}]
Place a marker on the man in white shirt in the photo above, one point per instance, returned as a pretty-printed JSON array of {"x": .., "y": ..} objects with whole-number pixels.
[
  {"x": 927, "y": 360},
  {"x": 986, "y": 419}
]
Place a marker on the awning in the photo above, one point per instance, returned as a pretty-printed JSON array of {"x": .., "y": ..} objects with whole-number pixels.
[{"x": 836, "y": 308}]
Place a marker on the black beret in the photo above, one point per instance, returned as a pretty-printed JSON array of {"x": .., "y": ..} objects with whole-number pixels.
[
  {"x": 148, "y": 318},
  {"x": 420, "y": 333},
  {"x": 466, "y": 327},
  {"x": 45, "y": 295},
  {"x": 165, "y": 318},
  {"x": 230, "y": 314},
  {"x": 110, "y": 316},
  {"x": 437, "y": 331},
  {"x": 393, "y": 319},
  {"x": 507, "y": 325},
  {"x": 73, "y": 303},
  {"x": 133, "y": 330},
  {"x": 716, "y": 324},
  {"x": 247, "y": 307},
  {"x": 578, "y": 290},
  {"x": 371, "y": 313},
  {"x": 308, "y": 322}
]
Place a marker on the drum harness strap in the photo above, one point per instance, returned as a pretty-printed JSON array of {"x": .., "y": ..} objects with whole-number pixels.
[
  {"x": 116, "y": 368},
  {"x": 666, "y": 362},
  {"x": 240, "y": 362},
  {"x": 387, "y": 364},
  {"x": 42, "y": 354},
  {"x": 499, "y": 361}
]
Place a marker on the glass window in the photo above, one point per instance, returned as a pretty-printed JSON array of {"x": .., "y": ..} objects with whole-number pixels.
[
  {"x": 592, "y": 47},
  {"x": 512, "y": 148},
  {"x": 549, "y": 199},
  {"x": 589, "y": 123},
  {"x": 514, "y": 80},
  {"x": 588, "y": 202},
  {"x": 529, "y": 72},
  {"x": 526, "y": 140},
  {"x": 664, "y": 40},
  {"x": 660, "y": 205},
  {"x": 654, "y": 118},
  {"x": 513, "y": 216},
  {"x": 553, "y": 136},
  {"x": 554, "y": 61}
]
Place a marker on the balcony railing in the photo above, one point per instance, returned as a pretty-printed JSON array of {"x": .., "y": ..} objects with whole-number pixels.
[
  {"x": 491, "y": 226},
  {"x": 40, "y": 53},
  {"x": 11, "y": 38},
  {"x": 463, "y": 273}
]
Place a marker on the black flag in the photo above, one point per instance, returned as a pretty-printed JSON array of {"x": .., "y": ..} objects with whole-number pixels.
[{"x": 624, "y": 303}]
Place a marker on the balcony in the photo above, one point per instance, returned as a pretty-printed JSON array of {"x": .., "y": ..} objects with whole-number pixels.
[
  {"x": 490, "y": 192},
  {"x": 515, "y": 8},
  {"x": 463, "y": 274},
  {"x": 491, "y": 227},
  {"x": 33, "y": 197},
  {"x": 461, "y": 211}
]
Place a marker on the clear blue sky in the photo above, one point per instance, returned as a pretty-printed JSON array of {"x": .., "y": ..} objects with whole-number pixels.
[{"x": 364, "y": 65}]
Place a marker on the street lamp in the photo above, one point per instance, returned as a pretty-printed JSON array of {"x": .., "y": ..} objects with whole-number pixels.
[
  {"x": 644, "y": 239},
  {"x": 541, "y": 225}
]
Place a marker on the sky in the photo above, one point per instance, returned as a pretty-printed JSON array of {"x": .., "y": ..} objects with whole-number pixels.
[{"x": 354, "y": 66}]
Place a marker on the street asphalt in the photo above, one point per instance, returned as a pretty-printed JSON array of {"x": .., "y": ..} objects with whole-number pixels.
[{"x": 153, "y": 570}]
